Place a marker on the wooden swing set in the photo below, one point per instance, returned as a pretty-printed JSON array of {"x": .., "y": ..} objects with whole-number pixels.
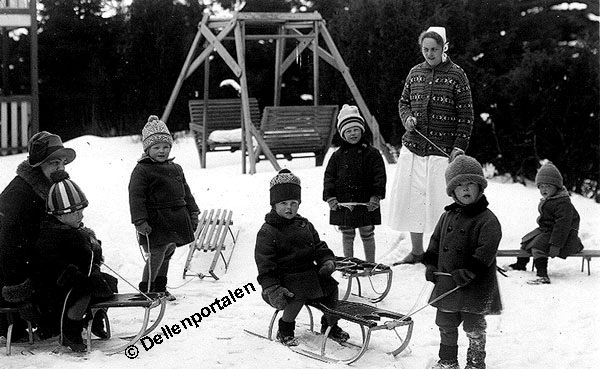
[{"x": 283, "y": 129}]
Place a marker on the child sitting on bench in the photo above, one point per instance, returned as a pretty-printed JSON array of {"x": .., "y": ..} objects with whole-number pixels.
[
  {"x": 558, "y": 223},
  {"x": 294, "y": 265}
]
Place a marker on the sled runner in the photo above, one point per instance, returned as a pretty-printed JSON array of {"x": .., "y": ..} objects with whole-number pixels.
[
  {"x": 9, "y": 311},
  {"x": 369, "y": 318},
  {"x": 212, "y": 230},
  {"x": 353, "y": 269},
  {"x": 585, "y": 255}
]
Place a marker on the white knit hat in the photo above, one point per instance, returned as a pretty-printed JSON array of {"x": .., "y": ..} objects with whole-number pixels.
[
  {"x": 155, "y": 131},
  {"x": 349, "y": 117}
]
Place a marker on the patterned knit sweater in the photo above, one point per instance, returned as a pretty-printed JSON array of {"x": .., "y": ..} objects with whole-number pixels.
[{"x": 440, "y": 98}]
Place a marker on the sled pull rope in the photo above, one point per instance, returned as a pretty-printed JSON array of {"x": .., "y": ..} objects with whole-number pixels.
[
  {"x": 432, "y": 144},
  {"x": 126, "y": 281}
]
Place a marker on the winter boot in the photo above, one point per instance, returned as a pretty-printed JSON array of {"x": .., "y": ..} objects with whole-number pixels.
[
  {"x": 336, "y": 333},
  {"x": 448, "y": 358},
  {"x": 71, "y": 335},
  {"x": 476, "y": 350},
  {"x": 143, "y": 286},
  {"x": 160, "y": 285},
  {"x": 446, "y": 364},
  {"x": 521, "y": 264},
  {"x": 285, "y": 333},
  {"x": 541, "y": 265},
  {"x": 98, "y": 329}
]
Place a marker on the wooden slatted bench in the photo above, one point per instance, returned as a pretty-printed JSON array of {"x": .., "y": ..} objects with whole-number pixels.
[
  {"x": 291, "y": 130},
  {"x": 213, "y": 227},
  {"x": 585, "y": 255},
  {"x": 10, "y": 313},
  {"x": 222, "y": 114}
]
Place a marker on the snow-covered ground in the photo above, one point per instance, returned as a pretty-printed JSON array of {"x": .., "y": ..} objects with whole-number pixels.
[{"x": 542, "y": 327}]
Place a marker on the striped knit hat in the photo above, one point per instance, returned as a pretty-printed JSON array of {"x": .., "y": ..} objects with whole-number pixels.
[
  {"x": 64, "y": 196},
  {"x": 349, "y": 117},
  {"x": 284, "y": 186},
  {"x": 155, "y": 131}
]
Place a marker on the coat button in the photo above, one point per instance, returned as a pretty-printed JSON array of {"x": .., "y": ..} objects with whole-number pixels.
[{"x": 449, "y": 229}]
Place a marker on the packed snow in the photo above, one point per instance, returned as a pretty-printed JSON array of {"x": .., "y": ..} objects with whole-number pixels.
[{"x": 541, "y": 327}]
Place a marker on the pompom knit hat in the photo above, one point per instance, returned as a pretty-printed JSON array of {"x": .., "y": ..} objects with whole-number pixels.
[
  {"x": 64, "y": 196},
  {"x": 349, "y": 117},
  {"x": 464, "y": 169},
  {"x": 284, "y": 186},
  {"x": 45, "y": 146},
  {"x": 155, "y": 131},
  {"x": 549, "y": 174}
]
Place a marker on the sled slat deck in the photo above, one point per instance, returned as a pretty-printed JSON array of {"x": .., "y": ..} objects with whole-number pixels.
[
  {"x": 585, "y": 255},
  {"x": 353, "y": 269},
  {"x": 213, "y": 227},
  {"x": 11, "y": 312}
]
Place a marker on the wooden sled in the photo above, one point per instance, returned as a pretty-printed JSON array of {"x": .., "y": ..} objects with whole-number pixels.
[
  {"x": 369, "y": 318},
  {"x": 10, "y": 313},
  {"x": 353, "y": 269},
  {"x": 210, "y": 235},
  {"x": 147, "y": 301}
]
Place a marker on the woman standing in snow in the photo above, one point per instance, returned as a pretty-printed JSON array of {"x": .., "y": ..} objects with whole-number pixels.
[{"x": 436, "y": 110}]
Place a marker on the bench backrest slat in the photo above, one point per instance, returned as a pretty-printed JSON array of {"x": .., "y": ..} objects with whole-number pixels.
[{"x": 222, "y": 114}]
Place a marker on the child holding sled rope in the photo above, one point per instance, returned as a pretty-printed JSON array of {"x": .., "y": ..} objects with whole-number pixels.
[
  {"x": 355, "y": 174},
  {"x": 558, "y": 224},
  {"x": 462, "y": 256},
  {"x": 162, "y": 206},
  {"x": 294, "y": 265}
]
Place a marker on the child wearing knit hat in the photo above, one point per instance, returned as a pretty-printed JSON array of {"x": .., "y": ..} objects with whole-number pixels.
[
  {"x": 354, "y": 183},
  {"x": 161, "y": 204},
  {"x": 558, "y": 224},
  {"x": 67, "y": 276},
  {"x": 461, "y": 260},
  {"x": 294, "y": 265}
]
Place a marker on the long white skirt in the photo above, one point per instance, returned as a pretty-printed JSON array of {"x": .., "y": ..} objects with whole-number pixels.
[{"x": 418, "y": 195}]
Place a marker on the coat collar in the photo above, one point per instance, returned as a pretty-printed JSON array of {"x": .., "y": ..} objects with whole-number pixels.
[
  {"x": 363, "y": 143},
  {"x": 35, "y": 178},
  {"x": 275, "y": 220},
  {"x": 145, "y": 158},
  {"x": 472, "y": 209}
]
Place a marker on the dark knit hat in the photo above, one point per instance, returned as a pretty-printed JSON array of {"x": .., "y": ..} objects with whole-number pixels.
[
  {"x": 45, "y": 146},
  {"x": 464, "y": 169},
  {"x": 64, "y": 196},
  {"x": 549, "y": 174},
  {"x": 284, "y": 186},
  {"x": 349, "y": 117},
  {"x": 155, "y": 131}
]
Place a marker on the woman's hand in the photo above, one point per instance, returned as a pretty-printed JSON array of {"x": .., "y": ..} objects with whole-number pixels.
[{"x": 410, "y": 123}]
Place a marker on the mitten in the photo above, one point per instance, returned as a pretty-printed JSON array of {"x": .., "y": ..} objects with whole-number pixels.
[
  {"x": 327, "y": 268},
  {"x": 143, "y": 228},
  {"x": 72, "y": 277},
  {"x": 333, "y": 204},
  {"x": 194, "y": 218},
  {"x": 278, "y": 296},
  {"x": 373, "y": 203},
  {"x": 455, "y": 152},
  {"x": 430, "y": 273},
  {"x": 554, "y": 251},
  {"x": 462, "y": 277},
  {"x": 410, "y": 123}
]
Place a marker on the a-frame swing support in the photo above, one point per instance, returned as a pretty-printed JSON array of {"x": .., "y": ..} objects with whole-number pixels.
[{"x": 306, "y": 29}]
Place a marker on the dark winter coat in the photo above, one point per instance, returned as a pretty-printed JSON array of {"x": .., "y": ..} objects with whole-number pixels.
[
  {"x": 22, "y": 206},
  {"x": 289, "y": 253},
  {"x": 67, "y": 258},
  {"x": 466, "y": 237},
  {"x": 160, "y": 195},
  {"x": 440, "y": 99},
  {"x": 558, "y": 225},
  {"x": 354, "y": 173}
]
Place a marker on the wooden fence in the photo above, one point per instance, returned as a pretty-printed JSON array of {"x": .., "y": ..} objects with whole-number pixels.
[{"x": 15, "y": 118}]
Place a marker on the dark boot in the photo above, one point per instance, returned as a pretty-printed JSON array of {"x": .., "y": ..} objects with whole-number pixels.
[
  {"x": 143, "y": 286},
  {"x": 476, "y": 350},
  {"x": 448, "y": 357},
  {"x": 160, "y": 285},
  {"x": 98, "y": 329},
  {"x": 71, "y": 335},
  {"x": 521, "y": 264},
  {"x": 285, "y": 333},
  {"x": 541, "y": 265},
  {"x": 336, "y": 333}
]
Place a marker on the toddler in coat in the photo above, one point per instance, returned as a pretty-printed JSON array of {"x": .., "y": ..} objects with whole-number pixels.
[
  {"x": 162, "y": 206},
  {"x": 558, "y": 224},
  {"x": 294, "y": 265},
  {"x": 355, "y": 173},
  {"x": 461, "y": 258}
]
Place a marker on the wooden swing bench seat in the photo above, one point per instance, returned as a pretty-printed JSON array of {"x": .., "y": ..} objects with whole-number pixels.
[
  {"x": 585, "y": 255},
  {"x": 354, "y": 268},
  {"x": 290, "y": 130},
  {"x": 148, "y": 302},
  {"x": 369, "y": 318}
]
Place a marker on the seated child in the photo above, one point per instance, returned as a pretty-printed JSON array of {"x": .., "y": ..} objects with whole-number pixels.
[
  {"x": 462, "y": 253},
  {"x": 558, "y": 223},
  {"x": 67, "y": 263},
  {"x": 294, "y": 265}
]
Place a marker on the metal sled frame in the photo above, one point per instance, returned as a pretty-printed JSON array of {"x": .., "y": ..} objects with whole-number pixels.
[
  {"x": 210, "y": 236},
  {"x": 9, "y": 311},
  {"x": 353, "y": 269},
  {"x": 369, "y": 318},
  {"x": 148, "y": 301}
]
